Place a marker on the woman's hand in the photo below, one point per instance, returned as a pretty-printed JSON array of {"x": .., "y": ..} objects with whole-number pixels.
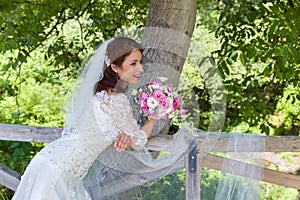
[
  {"x": 122, "y": 142},
  {"x": 148, "y": 126}
]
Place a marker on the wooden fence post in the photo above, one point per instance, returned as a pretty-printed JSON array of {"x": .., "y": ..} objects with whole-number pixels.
[
  {"x": 298, "y": 196},
  {"x": 192, "y": 173},
  {"x": 9, "y": 178}
]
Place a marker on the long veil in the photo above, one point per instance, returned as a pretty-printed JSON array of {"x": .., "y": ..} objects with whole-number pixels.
[{"x": 114, "y": 175}]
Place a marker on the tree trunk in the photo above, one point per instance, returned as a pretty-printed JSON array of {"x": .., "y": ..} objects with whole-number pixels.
[{"x": 166, "y": 39}]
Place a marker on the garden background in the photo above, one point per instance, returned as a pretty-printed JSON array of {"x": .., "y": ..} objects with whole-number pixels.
[{"x": 255, "y": 45}]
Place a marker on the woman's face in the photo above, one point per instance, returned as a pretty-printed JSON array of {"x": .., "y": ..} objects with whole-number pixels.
[{"x": 131, "y": 70}]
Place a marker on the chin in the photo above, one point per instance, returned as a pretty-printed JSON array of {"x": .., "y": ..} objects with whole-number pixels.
[
  {"x": 132, "y": 80},
  {"x": 135, "y": 82}
]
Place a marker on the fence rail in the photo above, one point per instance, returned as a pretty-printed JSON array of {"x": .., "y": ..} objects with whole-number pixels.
[
  {"x": 48, "y": 134},
  {"x": 10, "y": 178}
]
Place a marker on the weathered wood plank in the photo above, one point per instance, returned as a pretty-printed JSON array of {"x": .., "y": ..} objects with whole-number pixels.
[
  {"x": 271, "y": 176},
  {"x": 210, "y": 161},
  {"x": 192, "y": 173},
  {"x": 271, "y": 143},
  {"x": 48, "y": 134},
  {"x": 9, "y": 178},
  {"x": 217, "y": 143},
  {"x": 28, "y": 133}
]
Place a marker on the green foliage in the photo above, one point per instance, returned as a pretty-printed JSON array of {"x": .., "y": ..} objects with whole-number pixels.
[
  {"x": 287, "y": 118},
  {"x": 64, "y": 29},
  {"x": 201, "y": 83},
  {"x": 208, "y": 12},
  {"x": 276, "y": 192},
  {"x": 17, "y": 155},
  {"x": 168, "y": 187},
  {"x": 173, "y": 186},
  {"x": 265, "y": 31},
  {"x": 43, "y": 45},
  {"x": 37, "y": 100},
  {"x": 258, "y": 99},
  {"x": 259, "y": 58},
  {"x": 209, "y": 183}
]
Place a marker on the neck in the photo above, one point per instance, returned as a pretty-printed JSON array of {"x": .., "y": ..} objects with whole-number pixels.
[
  {"x": 123, "y": 84},
  {"x": 119, "y": 87}
]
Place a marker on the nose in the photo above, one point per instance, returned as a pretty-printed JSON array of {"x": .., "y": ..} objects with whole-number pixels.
[{"x": 141, "y": 68}]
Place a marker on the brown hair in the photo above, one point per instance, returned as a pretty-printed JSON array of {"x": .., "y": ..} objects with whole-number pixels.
[{"x": 117, "y": 51}]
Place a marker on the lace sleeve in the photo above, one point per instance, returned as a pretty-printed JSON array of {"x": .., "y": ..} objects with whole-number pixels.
[{"x": 124, "y": 119}]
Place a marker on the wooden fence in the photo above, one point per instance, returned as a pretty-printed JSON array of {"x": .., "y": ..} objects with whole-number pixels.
[{"x": 190, "y": 161}]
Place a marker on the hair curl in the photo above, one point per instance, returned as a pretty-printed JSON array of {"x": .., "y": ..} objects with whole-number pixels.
[{"x": 117, "y": 50}]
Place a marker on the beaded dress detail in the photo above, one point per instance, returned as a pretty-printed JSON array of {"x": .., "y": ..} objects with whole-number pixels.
[{"x": 57, "y": 171}]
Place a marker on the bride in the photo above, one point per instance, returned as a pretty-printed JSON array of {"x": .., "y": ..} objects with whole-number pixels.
[
  {"x": 99, "y": 115},
  {"x": 102, "y": 142}
]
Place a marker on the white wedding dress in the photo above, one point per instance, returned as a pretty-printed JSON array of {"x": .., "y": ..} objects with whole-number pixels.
[
  {"x": 74, "y": 166},
  {"x": 83, "y": 164},
  {"x": 57, "y": 172}
]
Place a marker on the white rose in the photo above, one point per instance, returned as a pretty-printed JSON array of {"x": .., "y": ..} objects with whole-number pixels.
[{"x": 152, "y": 103}]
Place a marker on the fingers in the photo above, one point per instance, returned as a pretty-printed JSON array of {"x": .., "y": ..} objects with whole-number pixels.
[{"x": 122, "y": 142}]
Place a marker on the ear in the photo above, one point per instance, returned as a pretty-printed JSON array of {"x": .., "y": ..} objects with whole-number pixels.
[{"x": 114, "y": 67}]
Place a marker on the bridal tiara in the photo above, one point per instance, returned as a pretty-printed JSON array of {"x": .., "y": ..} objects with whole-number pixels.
[{"x": 107, "y": 60}]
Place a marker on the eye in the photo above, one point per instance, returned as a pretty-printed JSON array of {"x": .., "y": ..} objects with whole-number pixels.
[
  {"x": 133, "y": 63},
  {"x": 136, "y": 62}
]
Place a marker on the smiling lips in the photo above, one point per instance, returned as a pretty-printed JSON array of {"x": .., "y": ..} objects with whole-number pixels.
[{"x": 137, "y": 76}]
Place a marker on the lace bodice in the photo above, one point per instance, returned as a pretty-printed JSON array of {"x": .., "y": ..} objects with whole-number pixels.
[
  {"x": 117, "y": 107},
  {"x": 111, "y": 115}
]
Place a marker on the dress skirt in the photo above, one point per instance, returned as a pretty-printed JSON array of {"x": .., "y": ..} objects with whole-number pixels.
[{"x": 44, "y": 180}]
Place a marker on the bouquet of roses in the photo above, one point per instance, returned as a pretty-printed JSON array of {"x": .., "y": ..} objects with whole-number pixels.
[{"x": 158, "y": 101}]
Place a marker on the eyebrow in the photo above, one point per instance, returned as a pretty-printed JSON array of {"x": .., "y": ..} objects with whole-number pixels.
[{"x": 135, "y": 60}]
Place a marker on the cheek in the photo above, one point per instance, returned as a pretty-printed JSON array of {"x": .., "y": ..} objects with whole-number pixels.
[
  {"x": 126, "y": 72},
  {"x": 128, "y": 75}
]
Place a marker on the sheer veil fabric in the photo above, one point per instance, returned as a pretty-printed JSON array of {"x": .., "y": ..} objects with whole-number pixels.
[
  {"x": 114, "y": 172},
  {"x": 87, "y": 166}
]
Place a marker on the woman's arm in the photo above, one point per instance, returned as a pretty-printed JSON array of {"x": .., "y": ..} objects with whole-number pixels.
[
  {"x": 148, "y": 127},
  {"x": 126, "y": 123},
  {"x": 123, "y": 141}
]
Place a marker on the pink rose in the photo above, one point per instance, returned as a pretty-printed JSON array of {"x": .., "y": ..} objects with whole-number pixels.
[
  {"x": 142, "y": 97},
  {"x": 169, "y": 89},
  {"x": 182, "y": 112},
  {"x": 159, "y": 95},
  {"x": 176, "y": 103},
  {"x": 164, "y": 103},
  {"x": 155, "y": 82},
  {"x": 144, "y": 106},
  {"x": 143, "y": 100}
]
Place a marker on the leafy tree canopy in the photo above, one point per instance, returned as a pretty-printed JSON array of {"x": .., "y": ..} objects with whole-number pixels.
[
  {"x": 63, "y": 29},
  {"x": 256, "y": 49},
  {"x": 260, "y": 58}
]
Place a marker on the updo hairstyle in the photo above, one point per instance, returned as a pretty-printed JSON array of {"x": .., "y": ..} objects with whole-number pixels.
[{"x": 117, "y": 50}]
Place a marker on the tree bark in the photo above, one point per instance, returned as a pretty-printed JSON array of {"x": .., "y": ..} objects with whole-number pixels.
[{"x": 166, "y": 39}]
